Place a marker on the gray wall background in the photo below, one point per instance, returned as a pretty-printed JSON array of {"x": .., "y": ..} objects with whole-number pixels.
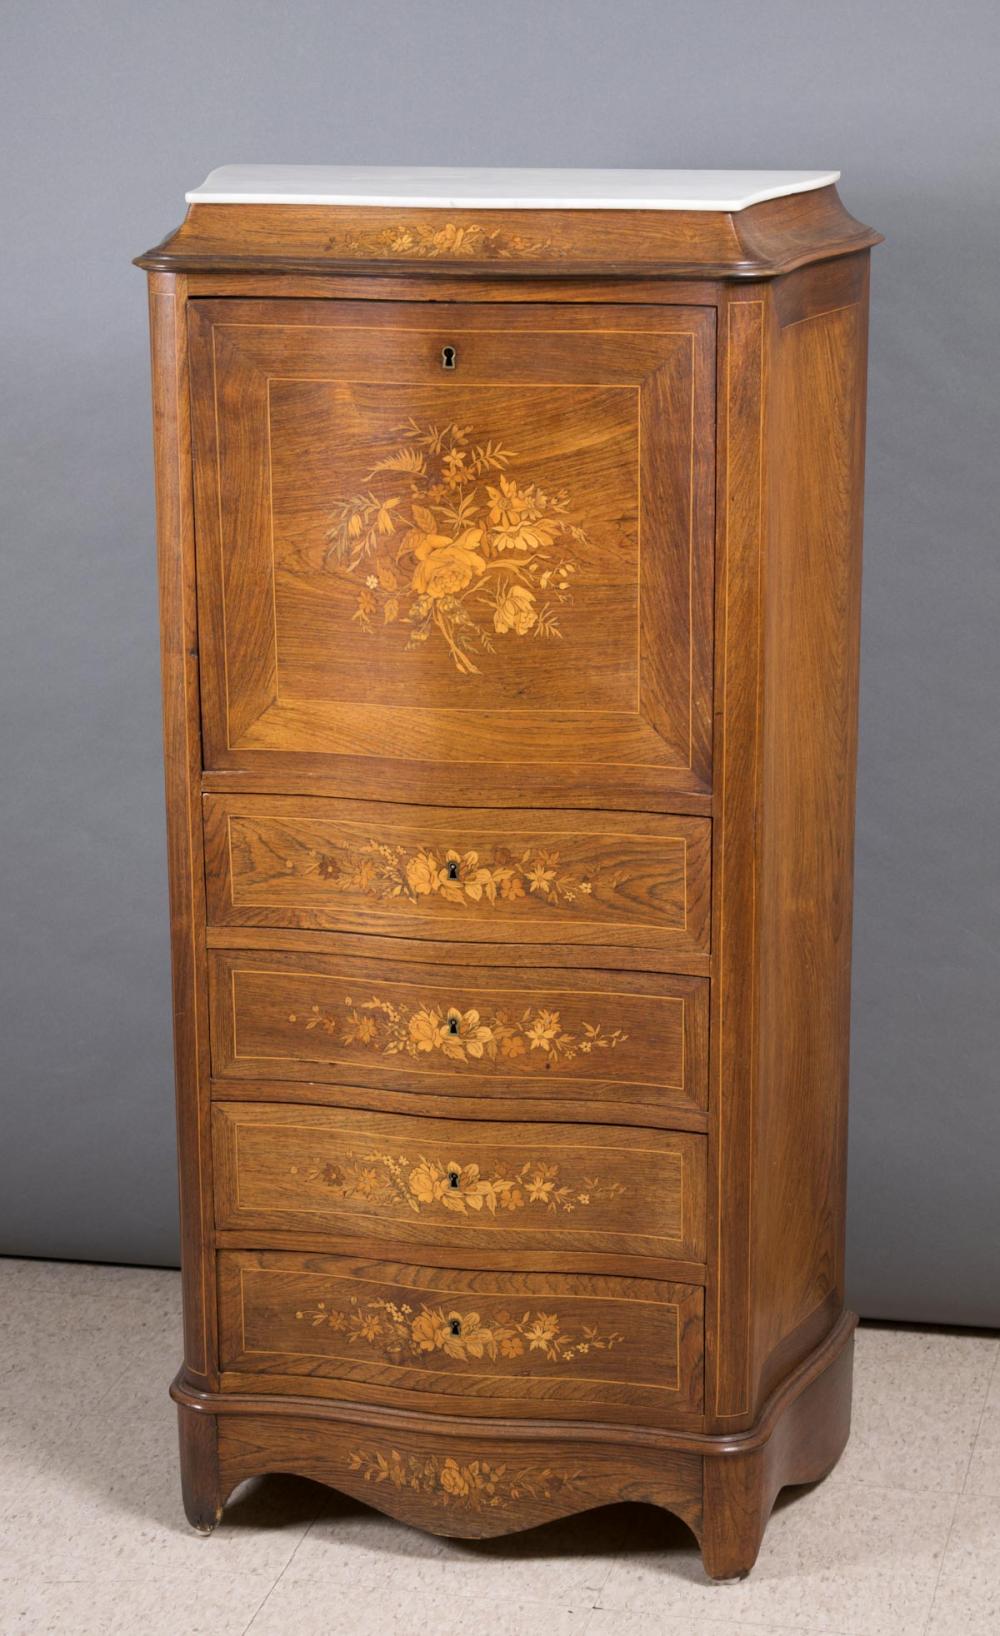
[{"x": 112, "y": 109}]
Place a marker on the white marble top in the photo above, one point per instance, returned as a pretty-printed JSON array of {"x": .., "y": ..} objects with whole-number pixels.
[{"x": 452, "y": 189}]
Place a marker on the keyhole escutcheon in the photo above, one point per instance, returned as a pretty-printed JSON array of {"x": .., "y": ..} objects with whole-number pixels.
[{"x": 449, "y": 358}]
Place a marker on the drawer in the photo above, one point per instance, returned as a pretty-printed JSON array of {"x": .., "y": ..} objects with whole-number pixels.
[
  {"x": 468, "y": 875},
  {"x": 450, "y": 1183},
  {"x": 469, "y": 1342},
  {"x": 587, "y": 1037}
]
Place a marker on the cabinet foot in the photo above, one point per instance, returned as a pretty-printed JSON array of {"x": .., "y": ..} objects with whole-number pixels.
[
  {"x": 201, "y": 1483},
  {"x": 740, "y": 1486},
  {"x": 734, "y": 1516}
]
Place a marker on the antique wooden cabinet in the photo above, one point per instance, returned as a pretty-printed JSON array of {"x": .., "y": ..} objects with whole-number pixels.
[{"x": 509, "y": 533}]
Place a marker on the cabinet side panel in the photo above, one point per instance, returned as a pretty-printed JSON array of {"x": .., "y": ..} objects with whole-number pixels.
[
  {"x": 182, "y": 760},
  {"x": 816, "y": 410},
  {"x": 742, "y": 433}
]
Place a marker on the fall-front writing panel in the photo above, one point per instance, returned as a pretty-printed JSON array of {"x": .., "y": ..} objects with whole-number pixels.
[
  {"x": 497, "y": 569},
  {"x": 610, "y": 1038},
  {"x": 475, "y": 1342}
]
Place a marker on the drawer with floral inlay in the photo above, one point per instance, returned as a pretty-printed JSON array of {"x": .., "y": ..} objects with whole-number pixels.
[
  {"x": 468, "y": 875},
  {"x": 482, "y": 1186},
  {"x": 560, "y": 1036},
  {"x": 475, "y": 1342}
]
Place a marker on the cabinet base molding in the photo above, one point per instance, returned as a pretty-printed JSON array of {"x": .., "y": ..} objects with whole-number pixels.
[{"x": 474, "y": 1480}]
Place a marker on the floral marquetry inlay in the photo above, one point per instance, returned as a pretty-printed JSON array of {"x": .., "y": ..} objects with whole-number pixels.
[
  {"x": 478, "y": 1485},
  {"x": 449, "y": 544},
  {"x": 399, "y": 1330},
  {"x": 462, "y": 1036},
  {"x": 386, "y": 1178},
  {"x": 426, "y": 242},
  {"x": 382, "y": 871}
]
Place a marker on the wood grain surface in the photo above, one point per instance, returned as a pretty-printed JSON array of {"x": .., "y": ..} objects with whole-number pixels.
[
  {"x": 506, "y": 565},
  {"x": 182, "y": 753},
  {"x": 812, "y": 618},
  {"x": 566, "y": 1346},
  {"x": 764, "y": 240},
  {"x": 455, "y": 1030},
  {"x": 472, "y": 1185},
  {"x": 460, "y": 1485},
  {"x": 519, "y": 877}
]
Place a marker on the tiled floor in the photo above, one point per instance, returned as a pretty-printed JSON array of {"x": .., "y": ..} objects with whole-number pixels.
[{"x": 902, "y": 1540}]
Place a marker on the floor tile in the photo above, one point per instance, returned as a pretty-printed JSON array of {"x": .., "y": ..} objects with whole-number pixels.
[
  {"x": 129, "y": 1608},
  {"x": 63, "y": 1348},
  {"x": 984, "y": 1467},
  {"x": 25, "y": 1431},
  {"x": 603, "y": 1623},
  {"x": 106, "y": 1504},
  {"x": 918, "y": 1398},
  {"x": 96, "y": 1278},
  {"x": 967, "y": 1600},
  {"x": 839, "y": 1558},
  {"x": 349, "y": 1531},
  {"x": 58, "y": 1355},
  {"x": 314, "y": 1609},
  {"x": 949, "y": 1348},
  {"x": 563, "y": 1563},
  {"x": 15, "y": 1268}
]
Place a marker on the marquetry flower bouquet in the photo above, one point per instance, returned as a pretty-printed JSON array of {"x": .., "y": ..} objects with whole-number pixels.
[
  {"x": 383, "y": 871},
  {"x": 398, "y": 1330},
  {"x": 476, "y": 1486},
  {"x": 461, "y": 1189},
  {"x": 445, "y": 541},
  {"x": 378, "y": 1024}
]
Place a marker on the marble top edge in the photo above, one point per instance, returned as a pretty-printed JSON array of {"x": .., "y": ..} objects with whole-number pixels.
[{"x": 424, "y": 188}]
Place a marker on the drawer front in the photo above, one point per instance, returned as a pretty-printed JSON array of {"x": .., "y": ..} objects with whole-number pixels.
[
  {"x": 464, "y": 578},
  {"x": 454, "y": 1183},
  {"x": 559, "y": 1035},
  {"x": 473, "y": 1342},
  {"x": 463, "y": 875}
]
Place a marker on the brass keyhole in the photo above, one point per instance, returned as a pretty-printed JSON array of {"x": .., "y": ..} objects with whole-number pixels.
[
  {"x": 453, "y": 1025},
  {"x": 449, "y": 358},
  {"x": 452, "y": 870},
  {"x": 456, "y": 1326},
  {"x": 453, "y": 1178}
]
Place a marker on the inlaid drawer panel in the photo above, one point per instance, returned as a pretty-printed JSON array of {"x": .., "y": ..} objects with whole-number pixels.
[
  {"x": 474, "y": 1184},
  {"x": 474, "y": 1342},
  {"x": 455, "y": 1030},
  {"x": 465, "y": 874}
]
